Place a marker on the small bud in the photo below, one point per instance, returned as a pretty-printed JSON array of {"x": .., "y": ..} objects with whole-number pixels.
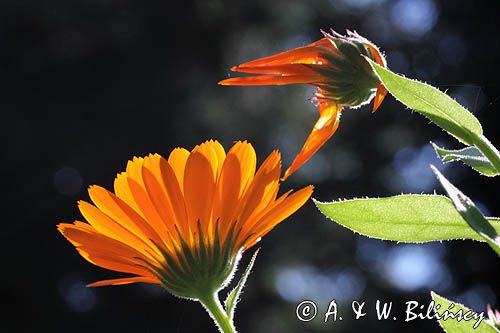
[
  {"x": 349, "y": 79},
  {"x": 336, "y": 66}
]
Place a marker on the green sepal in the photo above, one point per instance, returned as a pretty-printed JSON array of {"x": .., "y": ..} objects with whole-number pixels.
[
  {"x": 234, "y": 296},
  {"x": 199, "y": 271}
]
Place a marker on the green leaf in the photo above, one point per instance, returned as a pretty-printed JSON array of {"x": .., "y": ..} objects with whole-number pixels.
[
  {"x": 470, "y": 156},
  {"x": 404, "y": 218},
  {"x": 234, "y": 296},
  {"x": 470, "y": 213},
  {"x": 476, "y": 322},
  {"x": 440, "y": 108}
]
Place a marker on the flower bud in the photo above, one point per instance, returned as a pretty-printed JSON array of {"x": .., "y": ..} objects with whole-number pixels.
[{"x": 349, "y": 79}]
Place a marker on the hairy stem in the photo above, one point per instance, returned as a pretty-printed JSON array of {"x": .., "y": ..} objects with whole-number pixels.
[
  {"x": 488, "y": 150},
  {"x": 216, "y": 311}
]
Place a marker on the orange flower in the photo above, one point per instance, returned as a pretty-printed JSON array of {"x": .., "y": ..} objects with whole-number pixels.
[
  {"x": 334, "y": 64},
  {"x": 181, "y": 222}
]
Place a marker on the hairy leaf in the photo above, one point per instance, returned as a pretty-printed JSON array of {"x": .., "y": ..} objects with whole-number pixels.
[
  {"x": 475, "y": 322},
  {"x": 404, "y": 218},
  {"x": 440, "y": 108}
]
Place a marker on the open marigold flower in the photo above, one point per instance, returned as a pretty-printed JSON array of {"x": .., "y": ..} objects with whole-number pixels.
[
  {"x": 182, "y": 222},
  {"x": 335, "y": 65}
]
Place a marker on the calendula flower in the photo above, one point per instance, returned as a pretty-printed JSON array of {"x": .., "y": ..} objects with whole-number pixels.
[
  {"x": 181, "y": 222},
  {"x": 335, "y": 65},
  {"x": 493, "y": 316}
]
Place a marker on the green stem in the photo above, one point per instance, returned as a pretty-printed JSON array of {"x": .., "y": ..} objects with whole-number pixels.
[
  {"x": 216, "y": 311},
  {"x": 488, "y": 150}
]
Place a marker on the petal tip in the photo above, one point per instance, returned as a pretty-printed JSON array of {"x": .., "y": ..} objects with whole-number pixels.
[
  {"x": 379, "y": 96},
  {"x": 286, "y": 175}
]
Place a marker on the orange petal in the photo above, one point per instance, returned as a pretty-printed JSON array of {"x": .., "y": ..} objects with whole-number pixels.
[
  {"x": 323, "y": 130},
  {"x": 122, "y": 281},
  {"x": 131, "y": 194},
  {"x": 287, "y": 69},
  {"x": 228, "y": 190},
  {"x": 266, "y": 80},
  {"x": 263, "y": 188},
  {"x": 289, "y": 206},
  {"x": 99, "y": 243},
  {"x": 209, "y": 150},
  {"x": 122, "y": 190},
  {"x": 245, "y": 154},
  {"x": 108, "y": 227},
  {"x": 199, "y": 185},
  {"x": 177, "y": 161},
  {"x": 122, "y": 213},
  {"x": 79, "y": 224},
  {"x": 134, "y": 172},
  {"x": 220, "y": 153},
  {"x": 379, "y": 96},
  {"x": 236, "y": 175},
  {"x": 379, "y": 59},
  {"x": 114, "y": 263},
  {"x": 322, "y": 42},
  {"x": 310, "y": 54},
  {"x": 174, "y": 189},
  {"x": 247, "y": 228},
  {"x": 157, "y": 194},
  {"x": 130, "y": 187}
]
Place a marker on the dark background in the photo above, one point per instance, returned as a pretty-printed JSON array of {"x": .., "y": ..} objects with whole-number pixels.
[{"x": 88, "y": 84}]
